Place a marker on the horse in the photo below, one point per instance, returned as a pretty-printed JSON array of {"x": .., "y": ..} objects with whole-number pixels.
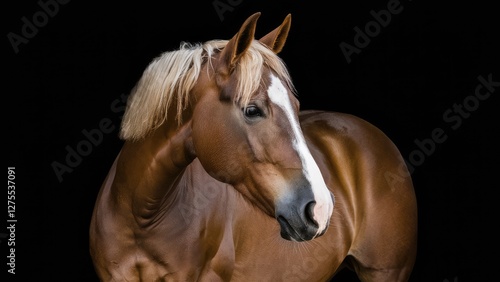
[{"x": 222, "y": 177}]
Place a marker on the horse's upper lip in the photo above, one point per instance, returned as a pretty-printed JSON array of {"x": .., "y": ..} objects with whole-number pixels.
[{"x": 287, "y": 231}]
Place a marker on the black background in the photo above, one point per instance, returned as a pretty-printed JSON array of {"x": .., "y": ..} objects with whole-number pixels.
[{"x": 66, "y": 78}]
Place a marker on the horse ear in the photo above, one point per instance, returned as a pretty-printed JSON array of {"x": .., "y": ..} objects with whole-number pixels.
[
  {"x": 275, "y": 39},
  {"x": 240, "y": 42}
]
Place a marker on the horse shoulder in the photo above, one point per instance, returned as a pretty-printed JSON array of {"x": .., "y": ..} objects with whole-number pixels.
[
  {"x": 375, "y": 200},
  {"x": 351, "y": 145}
]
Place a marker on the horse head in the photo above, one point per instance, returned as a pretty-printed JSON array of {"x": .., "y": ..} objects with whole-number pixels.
[{"x": 246, "y": 132}]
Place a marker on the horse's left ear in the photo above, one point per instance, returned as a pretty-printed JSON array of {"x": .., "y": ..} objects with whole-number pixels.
[{"x": 275, "y": 39}]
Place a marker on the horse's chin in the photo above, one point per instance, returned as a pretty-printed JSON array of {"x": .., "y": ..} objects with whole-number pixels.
[{"x": 298, "y": 234}]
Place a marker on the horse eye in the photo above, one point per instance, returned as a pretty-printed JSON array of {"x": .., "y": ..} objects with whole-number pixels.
[{"x": 252, "y": 111}]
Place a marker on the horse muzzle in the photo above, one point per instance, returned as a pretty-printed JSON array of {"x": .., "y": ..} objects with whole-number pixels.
[{"x": 298, "y": 216}]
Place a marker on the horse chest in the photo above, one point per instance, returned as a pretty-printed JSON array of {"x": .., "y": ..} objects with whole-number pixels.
[{"x": 241, "y": 252}]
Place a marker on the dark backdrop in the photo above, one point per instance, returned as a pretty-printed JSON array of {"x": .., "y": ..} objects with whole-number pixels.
[{"x": 66, "y": 67}]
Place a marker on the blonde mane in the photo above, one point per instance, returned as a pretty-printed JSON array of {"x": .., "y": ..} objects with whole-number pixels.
[{"x": 172, "y": 75}]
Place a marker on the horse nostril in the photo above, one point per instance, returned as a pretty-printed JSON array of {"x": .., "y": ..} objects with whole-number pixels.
[{"x": 309, "y": 211}]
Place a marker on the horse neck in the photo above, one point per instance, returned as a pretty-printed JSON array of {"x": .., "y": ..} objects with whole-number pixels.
[{"x": 148, "y": 170}]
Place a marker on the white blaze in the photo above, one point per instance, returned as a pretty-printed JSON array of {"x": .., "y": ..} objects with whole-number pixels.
[{"x": 324, "y": 205}]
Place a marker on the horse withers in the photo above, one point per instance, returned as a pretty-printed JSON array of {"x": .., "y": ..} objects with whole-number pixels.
[{"x": 222, "y": 178}]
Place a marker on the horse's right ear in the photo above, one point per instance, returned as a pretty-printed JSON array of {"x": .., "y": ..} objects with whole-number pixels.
[{"x": 240, "y": 42}]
